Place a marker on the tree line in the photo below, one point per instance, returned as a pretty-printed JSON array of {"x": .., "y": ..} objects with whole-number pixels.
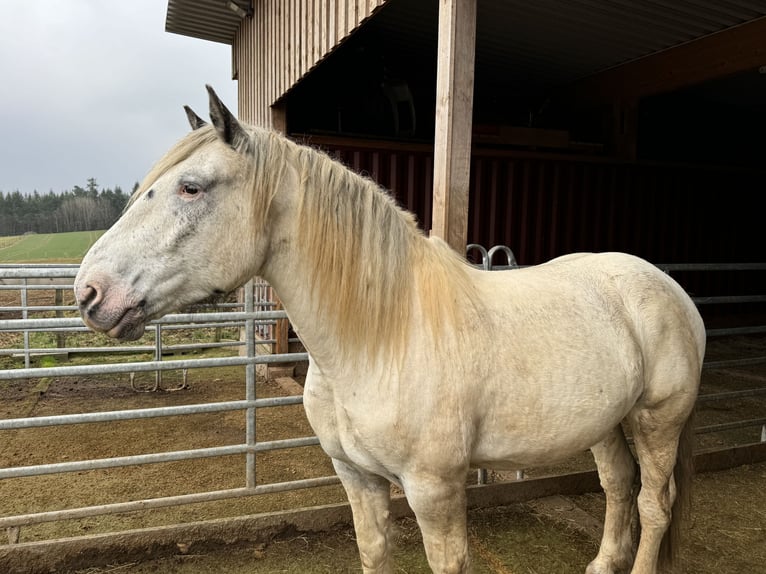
[{"x": 79, "y": 209}]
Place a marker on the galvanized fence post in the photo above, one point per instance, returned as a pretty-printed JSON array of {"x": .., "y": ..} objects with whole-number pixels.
[
  {"x": 25, "y": 315},
  {"x": 250, "y": 437}
]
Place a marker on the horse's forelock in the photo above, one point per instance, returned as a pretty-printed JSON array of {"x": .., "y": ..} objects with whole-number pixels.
[
  {"x": 181, "y": 151},
  {"x": 265, "y": 165}
]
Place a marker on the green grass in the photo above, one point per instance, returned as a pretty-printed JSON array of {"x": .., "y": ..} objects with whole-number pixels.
[{"x": 47, "y": 247}]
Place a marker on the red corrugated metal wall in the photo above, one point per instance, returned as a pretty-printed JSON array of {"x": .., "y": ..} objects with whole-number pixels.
[{"x": 542, "y": 206}]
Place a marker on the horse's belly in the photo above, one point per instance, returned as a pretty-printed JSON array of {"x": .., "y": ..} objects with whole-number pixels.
[
  {"x": 505, "y": 453},
  {"x": 519, "y": 438}
]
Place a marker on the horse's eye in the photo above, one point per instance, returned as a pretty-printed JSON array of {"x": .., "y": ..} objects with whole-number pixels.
[{"x": 189, "y": 190}]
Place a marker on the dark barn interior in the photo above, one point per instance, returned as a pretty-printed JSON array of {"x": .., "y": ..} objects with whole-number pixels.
[{"x": 673, "y": 176}]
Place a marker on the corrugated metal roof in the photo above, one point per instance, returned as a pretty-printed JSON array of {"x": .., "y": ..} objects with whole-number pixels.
[
  {"x": 205, "y": 19},
  {"x": 554, "y": 42},
  {"x": 522, "y": 43},
  {"x": 558, "y": 41}
]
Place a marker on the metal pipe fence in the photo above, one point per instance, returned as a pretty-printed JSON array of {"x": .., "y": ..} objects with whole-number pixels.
[{"x": 255, "y": 315}]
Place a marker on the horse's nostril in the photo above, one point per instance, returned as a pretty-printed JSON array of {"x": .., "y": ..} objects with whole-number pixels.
[
  {"x": 141, "y": 304},
  {"x": 88, "y": 295}
]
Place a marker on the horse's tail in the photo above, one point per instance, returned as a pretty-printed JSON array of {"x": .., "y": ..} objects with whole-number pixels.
[{"x": 683, "y": 473}]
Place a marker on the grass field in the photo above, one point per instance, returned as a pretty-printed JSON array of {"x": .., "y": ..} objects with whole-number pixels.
[{"x": 47, "y": 247}]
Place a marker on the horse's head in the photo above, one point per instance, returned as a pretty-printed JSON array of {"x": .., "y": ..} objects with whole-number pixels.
[{"x": 189, "y": 232}]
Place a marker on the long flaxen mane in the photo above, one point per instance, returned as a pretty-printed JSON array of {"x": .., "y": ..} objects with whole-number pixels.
[{"x": 369, "y": 265}]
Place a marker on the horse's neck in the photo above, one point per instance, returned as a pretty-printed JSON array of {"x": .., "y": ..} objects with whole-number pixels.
[
  {"x": 352, "y": 269},
  {"x": 288, "y": 269},
  {"x": 285, "y": 275},
  {"x": 438, "y": 286},
  {"x": 326, "y": 293}
]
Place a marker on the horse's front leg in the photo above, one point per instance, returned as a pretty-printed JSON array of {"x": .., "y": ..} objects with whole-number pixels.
[
  {"x": 439, "y": 505},
  {"x": 369, "y": 496}
]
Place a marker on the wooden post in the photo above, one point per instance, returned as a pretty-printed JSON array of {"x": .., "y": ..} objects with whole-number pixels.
[
  {"x": 281, "y": 329},
  {"x": 454, "y": 110},
  {"x": 279, "y": 117},
  {"x": 58, "y": 300}
]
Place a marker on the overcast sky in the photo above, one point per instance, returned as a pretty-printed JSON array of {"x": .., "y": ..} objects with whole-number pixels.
[{"x": 96, "y": 88}]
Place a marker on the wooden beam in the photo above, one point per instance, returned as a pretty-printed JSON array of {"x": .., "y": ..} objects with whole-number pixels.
[
  {"x": 454, "y": 110},
  {"x": 724, "y": 53},
  {"x": 279, "y": 117}
]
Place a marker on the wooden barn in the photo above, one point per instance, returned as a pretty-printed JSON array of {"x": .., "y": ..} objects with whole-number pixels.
[{"x": 551, "y": 126}]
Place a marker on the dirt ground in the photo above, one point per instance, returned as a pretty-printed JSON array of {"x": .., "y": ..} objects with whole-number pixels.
[{"x": 725, "y": 535}]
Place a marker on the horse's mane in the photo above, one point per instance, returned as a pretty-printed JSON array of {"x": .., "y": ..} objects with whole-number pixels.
[{"x": 369, "y": 265}]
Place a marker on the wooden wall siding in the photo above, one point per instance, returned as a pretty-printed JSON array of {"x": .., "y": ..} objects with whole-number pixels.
[
  {"x": 285, "y": 39},
  {"x": 543, "y": 206},
  {"x": 407, "y": 175}
]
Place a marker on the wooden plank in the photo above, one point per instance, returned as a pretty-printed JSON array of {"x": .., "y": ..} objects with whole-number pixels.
[
  {"x": 327, "y": 33},
  {"x": 295, "y": 40},
  {"x": 728, "y": 52},
  {"x": 268, "y": 71},
  {"x": 259, "y": 59},
  {"x": 332, "y": 31},
  {"x": 277, "y": 51},
  {"x": 342, "y": 13},
  {"x": 284, "y": 50},
  {"x": 454, "y": 108},
  {"x": 351, "y": 20},
  {"x": 303, "y": 21},
  {"x": 722, "y": 459},
  {"x": 318, "y": 32}
]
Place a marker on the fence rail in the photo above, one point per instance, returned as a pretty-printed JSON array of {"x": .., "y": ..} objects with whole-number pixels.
[{"x": 257, "y": 316}]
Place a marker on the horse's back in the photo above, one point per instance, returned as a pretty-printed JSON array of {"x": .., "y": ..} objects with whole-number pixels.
[
  {"x": 660, "y": 311},
  {"x": 658, "y": 305},
  {"x": 613, "y": 299}
]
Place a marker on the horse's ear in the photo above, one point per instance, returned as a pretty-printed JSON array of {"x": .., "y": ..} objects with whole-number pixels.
[
  {"x": 195, "y": 121},
  {"x": 227, "y": 126}
]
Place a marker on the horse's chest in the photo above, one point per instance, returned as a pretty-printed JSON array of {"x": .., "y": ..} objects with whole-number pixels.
[
  {"x": 319, "y": 404},
  {"x": 343, "y": 433}
]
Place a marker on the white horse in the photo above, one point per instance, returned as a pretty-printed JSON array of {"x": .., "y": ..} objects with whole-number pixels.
[{"x": 421, "y": 366}]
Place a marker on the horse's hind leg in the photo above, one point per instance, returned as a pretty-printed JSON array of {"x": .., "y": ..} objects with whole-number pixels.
[
  {"x": 657, "y": 432},
  {"x": 617, "y": 471},
  {"x": 369, "y": 496}
]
